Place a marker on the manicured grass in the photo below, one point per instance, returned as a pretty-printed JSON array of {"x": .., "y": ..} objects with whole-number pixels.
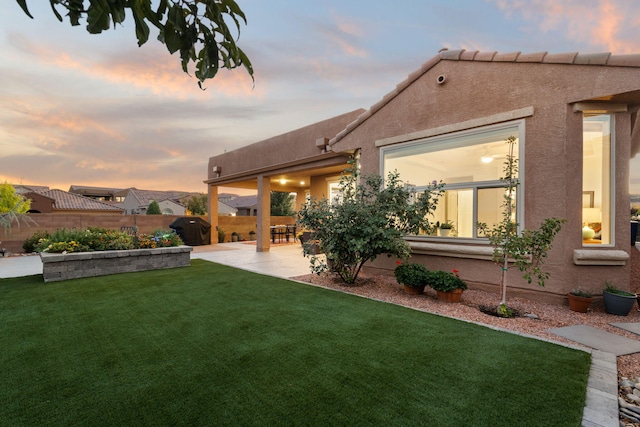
[{"x": 212, "y": 345}]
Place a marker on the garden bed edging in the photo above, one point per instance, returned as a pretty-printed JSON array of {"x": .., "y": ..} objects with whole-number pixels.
[{"x": 75, "y": 265}]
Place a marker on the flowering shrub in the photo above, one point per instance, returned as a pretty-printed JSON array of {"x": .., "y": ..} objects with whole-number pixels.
[
  {"x": 411, "y": 274},
  {"x": 445, "y": 281},
  {"x": 29, "y": 244},
  {"x": 65, "y": 240},
  {"x": 159, "y": 239},
  {"x": 102, "y": 239}
]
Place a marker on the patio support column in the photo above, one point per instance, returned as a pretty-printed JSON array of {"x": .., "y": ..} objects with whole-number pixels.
[
  {"x": 213, "y": 213},
  {"x": 264, "y": 214},
  {"x": 301, "y": 199}
]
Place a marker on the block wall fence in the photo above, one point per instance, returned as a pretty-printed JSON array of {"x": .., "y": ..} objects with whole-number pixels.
[{"x": 12, "y": 241}]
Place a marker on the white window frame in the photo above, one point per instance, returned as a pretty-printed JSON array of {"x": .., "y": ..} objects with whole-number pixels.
[
  {"x": 612, "y": 179},
  {"x": 448, "y": 141}
]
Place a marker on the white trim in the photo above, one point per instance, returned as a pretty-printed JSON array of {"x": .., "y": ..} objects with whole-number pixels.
[
  {"x": 456, "y": 127},
  {"x": 462, "y": 250},
  {"x": 599, "y": 257},
  {"x": 599, "y": 108}
]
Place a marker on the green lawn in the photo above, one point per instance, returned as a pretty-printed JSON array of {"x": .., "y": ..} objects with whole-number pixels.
[{"x": 212, "y": 345}]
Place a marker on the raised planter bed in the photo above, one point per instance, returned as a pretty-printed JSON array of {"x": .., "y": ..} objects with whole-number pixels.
[{"x": 57, "y": 267}]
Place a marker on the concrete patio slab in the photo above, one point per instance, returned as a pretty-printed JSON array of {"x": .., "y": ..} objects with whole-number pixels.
[{"x": 598, "y": 339}]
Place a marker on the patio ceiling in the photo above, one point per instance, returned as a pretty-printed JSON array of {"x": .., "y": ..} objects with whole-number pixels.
[{"x": 291, "y": 179}]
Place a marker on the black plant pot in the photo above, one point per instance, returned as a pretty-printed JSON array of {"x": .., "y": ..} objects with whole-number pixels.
[
  {"x": 620, "y": 305},
  {"x": 634, "y": 232}
]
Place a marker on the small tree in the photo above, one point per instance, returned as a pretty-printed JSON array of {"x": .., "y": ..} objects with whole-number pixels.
[
  {"x": 196, "y": 204},
  {"x": 526, "y": 250},
  {"x": 282, "y": 204},
  {"x": 154, "y": 208},
  {"x": 13, "y": 207},
  {"x": 369, "y": 218}
]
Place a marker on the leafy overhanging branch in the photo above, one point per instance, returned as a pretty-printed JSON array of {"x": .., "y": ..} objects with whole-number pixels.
[{"x": 197, "y": 29}]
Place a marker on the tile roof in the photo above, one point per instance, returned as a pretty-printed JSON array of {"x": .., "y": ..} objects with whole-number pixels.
[
  {"x": 64, "y": 200},
  {"x": 571, "y": 58},
  {"x": 242, "y": 202},
  {"x": 144, "y": 197},
  {"x": 22, "y": 189}
]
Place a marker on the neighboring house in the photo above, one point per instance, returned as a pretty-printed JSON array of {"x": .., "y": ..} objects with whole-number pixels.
[
  {"x": 104, "y": 194},
  {"x": 59, "y": 201},
  {"x": 575, "y": 117},
  {"x": 134, "y": 200},
  {"x": 226, "y": 210},
  {"x": 23, "y": 189},
  {"x": 243, "y": 205}
]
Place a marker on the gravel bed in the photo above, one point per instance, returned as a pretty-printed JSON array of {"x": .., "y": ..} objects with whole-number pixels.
[{"x": 385, "y": 288}]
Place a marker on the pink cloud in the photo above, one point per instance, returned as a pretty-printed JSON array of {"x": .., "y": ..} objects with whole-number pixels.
[
  {"x": 148, "y": 68},
  {"x": 596, "y": 23}
]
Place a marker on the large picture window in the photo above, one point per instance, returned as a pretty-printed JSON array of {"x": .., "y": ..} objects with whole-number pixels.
[{"x": 470, "y": 163}]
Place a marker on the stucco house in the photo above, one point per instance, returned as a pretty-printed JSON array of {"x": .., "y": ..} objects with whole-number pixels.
[
  {"x": 63, "y": 202},
  {"x": 243, "y": 205},
  {"x": 134, "y": 200},
  {"x": 575, "y": 119}
]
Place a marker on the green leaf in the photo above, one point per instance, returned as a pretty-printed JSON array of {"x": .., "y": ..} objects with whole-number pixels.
[
  {"x": 25, "y": 9},
  {"x": 98, "y": 17}
]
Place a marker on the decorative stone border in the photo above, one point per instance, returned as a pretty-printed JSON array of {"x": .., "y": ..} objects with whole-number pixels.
[{"x": 57, "y": 267}]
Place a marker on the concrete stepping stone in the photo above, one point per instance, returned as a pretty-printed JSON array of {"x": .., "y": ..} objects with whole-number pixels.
[
  {"x": 598, "y": 339},
  {"x": 631, "y": 327}
]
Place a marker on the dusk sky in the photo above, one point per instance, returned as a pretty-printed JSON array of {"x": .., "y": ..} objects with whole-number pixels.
[{"x": 97, "y": 110}]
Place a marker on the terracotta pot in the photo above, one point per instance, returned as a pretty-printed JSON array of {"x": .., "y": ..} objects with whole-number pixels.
[
  {"x": 453, "y": 296},
  {"x": 578, "y": 304},
  {"x": 414, "y": 290}
]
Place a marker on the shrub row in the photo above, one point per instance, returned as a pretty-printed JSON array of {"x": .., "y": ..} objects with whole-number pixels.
[
  {"x": 97, "y": 239},
  {"x": 417, "y": 275}
]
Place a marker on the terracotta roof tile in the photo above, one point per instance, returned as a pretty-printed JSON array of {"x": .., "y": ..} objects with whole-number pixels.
[
  {"x": 592, "y": 58},
  {"x": 451, "y": 54},
  {"x": 531, "y": 57},
  {"x": 485, "y": 56},
  {"x": 429, "y": 64},
  {"x": 624, "y": 60},
  {"x": 468, "y": 55},
  {"x": 560, "y": 58},
  {"x": 506, "y": 57},
  {"x": 403, "y": 84}
]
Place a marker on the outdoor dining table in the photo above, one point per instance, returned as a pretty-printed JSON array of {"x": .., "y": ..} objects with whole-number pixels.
[{"x": 282, "y": 232}]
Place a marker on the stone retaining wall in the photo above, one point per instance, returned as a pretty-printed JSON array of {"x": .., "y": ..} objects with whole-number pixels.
[{"x": 57, "y": 267}]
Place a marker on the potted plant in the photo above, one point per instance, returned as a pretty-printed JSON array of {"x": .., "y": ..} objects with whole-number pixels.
[
  {"x": 221, "y": 235},
  {"x": 234, "y": 236},
  {"x": 445, "y": 228},
  {"x": 448, "y": 285},
  {"x": 579, "y": 300},
  {"x": 617, "y": 301},
  {"x": 252, "y": 235},
  {"x": 412, "y": 276}
]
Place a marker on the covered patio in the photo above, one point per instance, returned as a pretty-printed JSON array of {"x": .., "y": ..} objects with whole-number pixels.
[{"x": 299, "y": 161}]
